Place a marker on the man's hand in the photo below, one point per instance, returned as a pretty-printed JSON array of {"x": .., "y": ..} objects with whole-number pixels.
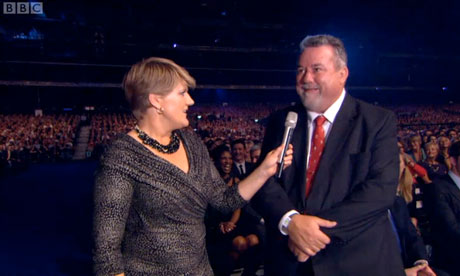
[
  {"x": 420, "y": 270},
  {"x": 305, "y": 237},
  {"x": 301, "y": 257}
]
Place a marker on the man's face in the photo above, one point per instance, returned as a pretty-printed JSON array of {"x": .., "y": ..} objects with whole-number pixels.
[
  {"x": 238, "y": 152},
  {"x": 319, "y": 82},
  {"x": 255, "y": 155}
]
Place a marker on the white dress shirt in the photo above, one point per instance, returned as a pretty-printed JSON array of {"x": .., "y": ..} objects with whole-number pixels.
[{"x": 330, "y": 115}]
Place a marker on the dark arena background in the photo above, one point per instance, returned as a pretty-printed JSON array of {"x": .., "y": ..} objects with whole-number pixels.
[{"x": 62, "y": 102}]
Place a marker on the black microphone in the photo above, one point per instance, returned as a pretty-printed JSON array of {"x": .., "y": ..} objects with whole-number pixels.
[{"x": 289, "y": 126}]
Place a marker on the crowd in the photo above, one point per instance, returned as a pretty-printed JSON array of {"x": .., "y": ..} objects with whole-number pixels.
[
  {"x": 28, "y": 138},
  {"x": 106, "y": 126},
  {"x": 425, "y": 134}
]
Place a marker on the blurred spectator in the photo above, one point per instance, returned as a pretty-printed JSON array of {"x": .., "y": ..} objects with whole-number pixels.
[
  {"x": 254, "y": 153},
  {"x": 416, "y": 151},
  {"x": 446, "y": 216},
  {"x": 434, "y": 168},
  {"x": 444, "y": 145}
]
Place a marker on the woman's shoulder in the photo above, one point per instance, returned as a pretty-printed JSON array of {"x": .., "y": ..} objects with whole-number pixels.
[{"x": 120, "y": 148}]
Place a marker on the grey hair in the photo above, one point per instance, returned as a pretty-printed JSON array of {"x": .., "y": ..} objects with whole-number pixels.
[
  {"x": 257, "y": 146},
  {"x": 329, "y": 40}
]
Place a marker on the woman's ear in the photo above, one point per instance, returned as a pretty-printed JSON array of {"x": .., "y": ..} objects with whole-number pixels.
[{"x": 156, "y": 101}]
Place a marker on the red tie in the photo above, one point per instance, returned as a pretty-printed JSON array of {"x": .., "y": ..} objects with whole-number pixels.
[{"x": 316, "y": 150}]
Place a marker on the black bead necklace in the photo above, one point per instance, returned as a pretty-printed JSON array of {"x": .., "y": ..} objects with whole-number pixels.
[{"x": 170, "y": 148}]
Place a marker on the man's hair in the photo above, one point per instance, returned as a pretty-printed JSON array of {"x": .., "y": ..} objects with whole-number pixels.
[
  {"x": 454, "y": 150},
  {"x": 153, "y": 75},
  {"x": 327, "y": 40},
  {"x": 238, "y": 141},
  {"x": 257, "y": 146}
]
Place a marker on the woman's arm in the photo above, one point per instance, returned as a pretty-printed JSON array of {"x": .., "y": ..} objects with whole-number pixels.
[
  {"x": 112, "y": 200},
  {"x": 228, "y": 226},
  {"x": 251, "y": 184}
]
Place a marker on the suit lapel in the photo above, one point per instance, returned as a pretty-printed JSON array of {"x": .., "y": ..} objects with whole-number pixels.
[
  {"x": 338, "y": 136},
  {"x": 299, "y": 140},
  {"x": 455, "y": 190}
]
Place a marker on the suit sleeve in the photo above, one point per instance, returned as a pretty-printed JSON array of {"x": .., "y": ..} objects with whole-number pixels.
[
  {"x": 444, "y": 215},
  {"x": 412, "y": 244},
  {"x": 271, "y": 201},
  {"x": 371, "y": 197}
]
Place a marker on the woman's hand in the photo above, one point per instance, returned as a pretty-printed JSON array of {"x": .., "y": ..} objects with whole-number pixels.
[
  {"x": 251, "y": 184},
  {"x": 226, "y": 227},
  {"x": 270, "y": 163}
]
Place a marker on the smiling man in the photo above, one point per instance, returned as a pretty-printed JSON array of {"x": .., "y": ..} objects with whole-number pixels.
[{"x": 327, "y": 215}]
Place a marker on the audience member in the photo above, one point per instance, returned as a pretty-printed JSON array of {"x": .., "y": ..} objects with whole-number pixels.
[{"x": 446, "y": 215}]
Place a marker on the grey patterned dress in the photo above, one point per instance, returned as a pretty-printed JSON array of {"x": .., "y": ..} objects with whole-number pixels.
[{"x": 149, "y": 214}]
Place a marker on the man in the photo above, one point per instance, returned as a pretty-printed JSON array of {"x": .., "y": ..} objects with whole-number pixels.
[
  {"x": 446, "y": 215},
  {"x": 254, "y": 153},
  {"x": 241, "y": 168},
  {"x": 339, "y": 223}
]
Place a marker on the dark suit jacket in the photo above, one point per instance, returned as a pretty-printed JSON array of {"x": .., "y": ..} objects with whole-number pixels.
[
  {"x": 412, "y": 246},
  {"x": 355, "y": 185},
  {"x": 249, "y": 168},
  {"x": 446, "y": 224}
]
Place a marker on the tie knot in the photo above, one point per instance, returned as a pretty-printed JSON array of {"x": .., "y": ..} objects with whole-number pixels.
[{"x": 320, "y": 120}]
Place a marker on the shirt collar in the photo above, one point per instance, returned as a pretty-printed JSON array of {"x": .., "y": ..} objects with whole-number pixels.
[
  {"x": 455, "y": 178},
  {"x": 332, "y": 110}
]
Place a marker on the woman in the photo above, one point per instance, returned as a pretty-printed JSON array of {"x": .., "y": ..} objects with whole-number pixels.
[
  {"x": 417, "y": 153},
  {"x": 413, "y": 251},
  {"x": 154, "y": 183},
  {"x": 434, "y": 168},
  {"x": 443, "y": 157},
  {"x": 232, "y": 234}
]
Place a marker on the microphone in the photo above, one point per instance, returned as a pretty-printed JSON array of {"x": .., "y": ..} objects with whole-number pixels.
[{"x": 289, "y": 126}]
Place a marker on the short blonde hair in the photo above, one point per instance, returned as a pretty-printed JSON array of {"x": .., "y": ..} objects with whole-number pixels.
[
  {"x": 432, "y": 143},
  {"x": 152, "y": 76}
]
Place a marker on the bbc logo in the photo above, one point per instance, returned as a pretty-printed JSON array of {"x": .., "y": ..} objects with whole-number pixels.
[{"x": 22, "y": 7}]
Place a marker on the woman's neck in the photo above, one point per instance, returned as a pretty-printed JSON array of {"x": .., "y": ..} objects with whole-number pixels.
[
  {"x": 160, "y": 134},
  {"x": 431, "y": 160}
]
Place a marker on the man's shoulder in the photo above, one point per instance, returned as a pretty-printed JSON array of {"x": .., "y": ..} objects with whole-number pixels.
[
  {"x": 367, "y": 108},
  {"x": 444, "y": 183},
  {"x": 282, "y": 113}
]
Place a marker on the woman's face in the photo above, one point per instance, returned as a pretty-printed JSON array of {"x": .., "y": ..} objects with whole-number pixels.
[
  {"x": 226, "y": 162},
  {"x": 415, "y": 144},
  {"x": 444, "y": 142},
  {"x": 432, "y": 151},
  {"x": 176, "y": 104}
]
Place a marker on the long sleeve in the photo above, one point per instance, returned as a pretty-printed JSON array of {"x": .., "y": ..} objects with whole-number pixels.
[
  {"x": 411, "y": 243},
  {"x": 223, "y": 198},
  {"x": 444, "y": 215},
  {"x": 112, "y": 200}
]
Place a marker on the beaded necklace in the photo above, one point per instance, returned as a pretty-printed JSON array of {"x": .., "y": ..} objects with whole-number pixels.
[{"x": 170, "y": 148}]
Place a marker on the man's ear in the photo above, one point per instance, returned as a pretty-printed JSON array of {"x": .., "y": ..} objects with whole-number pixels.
[{"x": 343, "y": 74}]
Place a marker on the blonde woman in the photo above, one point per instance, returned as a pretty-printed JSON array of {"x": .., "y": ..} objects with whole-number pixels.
[
  {"x": 155, "y": 182},
  {"x": 412, "y": 247}
]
